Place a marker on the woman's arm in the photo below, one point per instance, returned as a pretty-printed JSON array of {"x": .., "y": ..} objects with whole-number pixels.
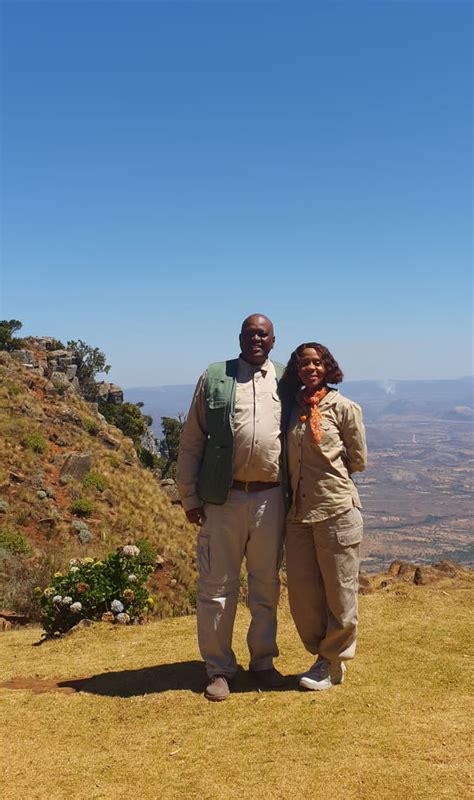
[{"x": 353, "y": 437}]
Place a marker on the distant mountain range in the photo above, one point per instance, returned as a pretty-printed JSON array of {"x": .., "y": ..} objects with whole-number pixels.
[{"x": 438, "y": 399}]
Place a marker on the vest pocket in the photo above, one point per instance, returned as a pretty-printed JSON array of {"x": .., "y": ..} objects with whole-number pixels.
[{"x": 215, "y": 476}]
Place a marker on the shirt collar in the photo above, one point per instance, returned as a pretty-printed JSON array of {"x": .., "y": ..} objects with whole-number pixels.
[{"x": 251, "y": 369}]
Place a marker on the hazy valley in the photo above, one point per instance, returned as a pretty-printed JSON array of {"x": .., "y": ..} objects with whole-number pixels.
[{"x": 417, "y": 491}]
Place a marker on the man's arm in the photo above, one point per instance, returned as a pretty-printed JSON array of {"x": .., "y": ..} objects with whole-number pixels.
[{"x": 191, "y": 450}]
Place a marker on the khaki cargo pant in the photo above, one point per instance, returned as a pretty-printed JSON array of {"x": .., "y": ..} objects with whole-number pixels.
[
  {"x": 247, "y": 526},
  {"x": 322, "y": 561}
]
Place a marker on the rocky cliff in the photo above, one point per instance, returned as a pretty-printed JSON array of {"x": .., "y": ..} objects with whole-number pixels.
[{"x": 71, "y": 484}]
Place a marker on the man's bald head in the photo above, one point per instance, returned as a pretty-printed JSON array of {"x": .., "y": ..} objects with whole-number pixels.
[
  {"x": 257, "y": 319},
  {"x": 256, "y": 338}
]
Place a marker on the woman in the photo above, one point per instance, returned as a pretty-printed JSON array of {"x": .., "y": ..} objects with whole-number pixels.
[{"x": 325, "y": 445}]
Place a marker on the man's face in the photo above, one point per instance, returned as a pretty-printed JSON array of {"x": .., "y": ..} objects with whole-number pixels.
[{"x": 256, "y": 339}]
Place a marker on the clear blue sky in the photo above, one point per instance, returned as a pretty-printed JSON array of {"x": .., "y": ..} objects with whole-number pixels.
[{"x": 169, "y": 168}]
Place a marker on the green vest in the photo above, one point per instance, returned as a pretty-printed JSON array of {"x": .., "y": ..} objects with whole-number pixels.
[{"x": 216, "y": 472}]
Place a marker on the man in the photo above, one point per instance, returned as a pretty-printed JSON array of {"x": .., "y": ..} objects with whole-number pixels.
[{"x": 229, "y": 483}]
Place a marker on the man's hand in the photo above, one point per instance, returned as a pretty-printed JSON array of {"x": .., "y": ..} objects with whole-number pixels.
[{"x": 196, "y": 515}]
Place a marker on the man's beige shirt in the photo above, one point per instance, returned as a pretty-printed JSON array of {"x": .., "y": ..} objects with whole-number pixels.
[
  {"x": 320, "y": 473},
  {"x": 256, "y": 426}
]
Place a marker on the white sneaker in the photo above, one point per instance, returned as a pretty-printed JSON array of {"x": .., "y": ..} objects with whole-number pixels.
[{"x": 322, "y": 675}]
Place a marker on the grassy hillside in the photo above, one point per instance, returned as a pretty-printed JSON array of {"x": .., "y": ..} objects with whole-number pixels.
[
  {"x": 117, "y": 712},
  {"x": 39, "y": 427}
]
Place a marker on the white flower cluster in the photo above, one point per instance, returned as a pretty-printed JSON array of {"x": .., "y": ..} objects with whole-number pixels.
[
  {"x": 66, "y": 601},
  {"x": 123, "y": 618},
  {"x": 116, "y": 606},
  {"x": 132, "y": 578},
  {"x": 74, "y": 569},
  {"x": 57, "y": 598},
  {"x": 131, "y": 550},
  {"x": 76, "y": 607},
  {"x": 73, "y": 562}
]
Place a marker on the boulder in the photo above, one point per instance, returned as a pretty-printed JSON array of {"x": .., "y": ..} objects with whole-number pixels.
[
  {"x": 425, "y": 575},
  {"x": 26, "y": 357},
  {"x": 108, "y": 393},
  {"x": 449, "y": 568},
  {"x": 169, "y": 487},
  {"x": 59, "y": 380},
  {"x": 14, "y": 617},
  {"x": 76, "y": 465},
  {"x": 365, "y": 584},
  {"x": 16, "y": 477},
  {"x": 108, "y": 440},
  {"x": 115, "y": 395}
]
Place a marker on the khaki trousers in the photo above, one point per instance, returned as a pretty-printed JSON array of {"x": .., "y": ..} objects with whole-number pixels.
[
  {"x": 322, "y": 561},
  {"x": 250, "y": 526}
]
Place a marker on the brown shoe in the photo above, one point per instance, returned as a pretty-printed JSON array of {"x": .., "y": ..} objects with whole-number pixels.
[
  {"x": 269, "y": 678},
  {"x": 217, "y": 688}
]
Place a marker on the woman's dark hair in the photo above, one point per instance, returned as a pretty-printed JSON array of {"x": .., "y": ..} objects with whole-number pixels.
[{"x": 290, "y": 381}]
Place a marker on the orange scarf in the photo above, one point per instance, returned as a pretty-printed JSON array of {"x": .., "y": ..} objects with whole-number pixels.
[{"x": 313, "y": 401}]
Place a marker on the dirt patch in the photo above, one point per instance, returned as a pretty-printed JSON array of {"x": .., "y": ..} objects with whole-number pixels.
[{"x": 40, "y": 685}]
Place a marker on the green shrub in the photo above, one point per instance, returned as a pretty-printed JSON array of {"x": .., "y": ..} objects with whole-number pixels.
[
  {"x": 147, "y": 552},
  {"x": 83, "y": 507},
  {"x": 147, "y": 458},
  {"x": 95, "y": 480},
  {"x": 14, "y": 542},
  {"x": 192, "y": 597},
  {"x": 13, "y": 389},
  {"x": 60, "y": 387},
  {"x": 7, "y": 329},
  {"x": 127, "y": 417},
  {"x": 111, "y": 590},
  {"x": 56, "y": 344},
  {"x": 35, "y": 441},
  {"x": 91, "y": 426}
]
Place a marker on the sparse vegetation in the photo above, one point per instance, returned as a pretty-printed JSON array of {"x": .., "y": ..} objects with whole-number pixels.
[
  {"x": 82, "y": 507},
  {"x": 91, "y": 426},
  {"x": 147, "y": 555},
  {"x": 35, "y": 442},
  {"x": 13, "y": 542},
  {"x": 95, "y": 480}
]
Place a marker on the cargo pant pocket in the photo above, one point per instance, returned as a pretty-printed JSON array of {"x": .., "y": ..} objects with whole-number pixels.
[
  {"x": 202, "y": 555},
  {"x": 349, "y": 528}
]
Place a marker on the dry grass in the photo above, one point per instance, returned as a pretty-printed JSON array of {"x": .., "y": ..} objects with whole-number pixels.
[{"x": 397, "y": 728}]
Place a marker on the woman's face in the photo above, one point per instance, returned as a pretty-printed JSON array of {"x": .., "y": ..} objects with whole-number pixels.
[{"x": 311, "y": 370}]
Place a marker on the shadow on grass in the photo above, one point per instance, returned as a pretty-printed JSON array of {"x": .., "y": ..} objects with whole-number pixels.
[{"x": 180, "y": 676}]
